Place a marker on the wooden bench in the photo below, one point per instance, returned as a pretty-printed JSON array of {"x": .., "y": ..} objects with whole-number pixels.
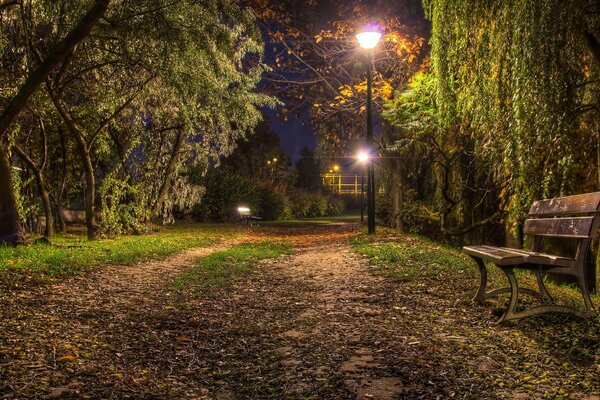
[
  {"x": 572, "y": 217},
  {"x": 246, "y": 215}
]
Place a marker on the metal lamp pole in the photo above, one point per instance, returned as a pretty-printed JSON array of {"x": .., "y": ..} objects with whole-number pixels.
[
  {"x": 368, "y": 40},
  {"x": 370, "y": 145},
  {"x": 362, "y": 195}
]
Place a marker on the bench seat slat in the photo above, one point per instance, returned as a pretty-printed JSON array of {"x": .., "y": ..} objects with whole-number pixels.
[
  {"x": 534, "y": 257},
  {"x": 507, "y": 256},
  {"x": 574, "y": 227},
  {"x": 580, "y": 204},
  {"x": 497, "y": 255}
]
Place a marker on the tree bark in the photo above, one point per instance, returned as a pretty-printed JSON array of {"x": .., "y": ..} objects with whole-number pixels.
[
  {"x": 39, "y": 179},
  {"x": 164, "y": 189},
  {"x": 10, "y": 229},
  {"x": 397, "y": 192}
]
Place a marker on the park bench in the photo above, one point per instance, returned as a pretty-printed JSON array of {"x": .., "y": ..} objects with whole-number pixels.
[
  {"x": 573, "y": 217},
  {"x": 246, "y": 215}
]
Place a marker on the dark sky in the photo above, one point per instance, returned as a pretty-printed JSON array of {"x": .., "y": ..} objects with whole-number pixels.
[{"x": 293, "y": 134}]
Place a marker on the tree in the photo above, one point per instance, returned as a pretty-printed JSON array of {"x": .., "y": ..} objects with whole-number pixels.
[
  {"x": 521, "y": 80},
  {"x": 438, "y": 162},
  {"x": 9, "y": 225},
  {"x": 148, "y": 94},
  {"x": 309, "y": 171},
  {"x": 260, "y": 156}
]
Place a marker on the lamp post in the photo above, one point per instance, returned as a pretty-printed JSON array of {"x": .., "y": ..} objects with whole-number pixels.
[
  {"x": 362, "y": 157},
  {"x": 368, "y": 41}
]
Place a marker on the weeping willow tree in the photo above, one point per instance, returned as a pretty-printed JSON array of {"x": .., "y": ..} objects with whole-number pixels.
[{"x": 520, "y": 79}]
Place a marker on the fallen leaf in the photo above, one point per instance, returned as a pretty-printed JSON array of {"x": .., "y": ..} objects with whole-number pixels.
[{"x": 67, "y": 359}]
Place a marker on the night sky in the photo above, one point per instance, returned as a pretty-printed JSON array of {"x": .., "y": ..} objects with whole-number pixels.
[{"x": 295, "y": 134}]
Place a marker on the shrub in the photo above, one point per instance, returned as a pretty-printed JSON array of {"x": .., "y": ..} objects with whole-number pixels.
[
  {"x": 225, "y": 190},
  {"x": 335, "y": 206},
  {"x": 303, "y": 204},
  {"x": 273, "y": 204}
]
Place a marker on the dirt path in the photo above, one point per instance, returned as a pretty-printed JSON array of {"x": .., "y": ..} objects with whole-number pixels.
[{"x": 319, "y": 323}]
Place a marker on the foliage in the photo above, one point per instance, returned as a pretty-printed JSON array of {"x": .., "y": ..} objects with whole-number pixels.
[
  {"x": 223, "y": 267},
  {"x": 305, "y": 204},
  {"x": 445, "y": 175},
  {"x": 156, "y": 88},
  {"x": 521, "y": 80},
  {"x": 272, "y": 204},
  {"x": 318, "y": 68},
  {"x": 121, "y": 208},
  {"x": 225, "y": 191},
  {"x": 309, "y": 170},
  {"x": 260, "y": 156},
  {"x": 411, "y": 214}
]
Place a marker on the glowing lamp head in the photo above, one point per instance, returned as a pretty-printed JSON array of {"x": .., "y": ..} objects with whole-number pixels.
[
  {"x": 362, "y": 157},
  {"x": 336, "y": 168},
  {"x": 368, "y": 40}
]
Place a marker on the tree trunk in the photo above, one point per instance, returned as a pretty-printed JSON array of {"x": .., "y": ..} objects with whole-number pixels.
[
  {"x": 39, "y": 179},
  {"x": 61, "y": 226},
  {"x": 397, "y": 192},
  {"x": 90, "y": 187},
  {"x": 10, "y": 229},
  {"x": 164, "y": 189}
]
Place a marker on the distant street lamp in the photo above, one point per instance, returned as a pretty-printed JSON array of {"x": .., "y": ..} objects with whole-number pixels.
[
  {"x": 368, "y": 41},
  {"x": 363, "y": 158}
]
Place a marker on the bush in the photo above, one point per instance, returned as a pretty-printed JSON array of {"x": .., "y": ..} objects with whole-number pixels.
[
  {"x": 335, "y": 206},
  {"x": 225, "y": 191},
  {"x": 273, "y": 204},
  {"x": 303, "y": 204}
]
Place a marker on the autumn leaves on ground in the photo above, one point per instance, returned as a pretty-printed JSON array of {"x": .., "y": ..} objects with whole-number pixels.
[{"x": 280, "y": 311}]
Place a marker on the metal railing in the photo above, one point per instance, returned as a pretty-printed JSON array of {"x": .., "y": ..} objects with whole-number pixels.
[{"x": 344, "y": 184}]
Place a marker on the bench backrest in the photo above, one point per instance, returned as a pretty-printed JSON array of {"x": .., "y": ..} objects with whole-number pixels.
[{"x": 572, "y": 217}]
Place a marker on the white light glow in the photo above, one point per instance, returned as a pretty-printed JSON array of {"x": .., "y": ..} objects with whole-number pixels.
[
  {"x": 243, "y": 209},
  {"x": 368, "y": 40},
  {"x": 362, "y": 157}
]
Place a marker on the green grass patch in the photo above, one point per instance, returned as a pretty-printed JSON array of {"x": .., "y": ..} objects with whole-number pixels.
[
  {"x": 410, "y": 257},
  {"x": 223, "y": 267},
  {"x": 71, "y": 253}
]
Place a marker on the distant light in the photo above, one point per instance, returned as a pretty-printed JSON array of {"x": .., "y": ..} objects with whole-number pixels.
[
  {"x": 243, "y": 209},
  {"x": 363, "y": 157},
  {"x": 368, "y": 40},
  {"x": 268, "y": 161},
  {"x": 275, "y": 159},
  {"x": 336, "y": 168}
]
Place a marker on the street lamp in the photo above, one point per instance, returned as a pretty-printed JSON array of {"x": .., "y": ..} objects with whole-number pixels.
[
  {"x": 368, "y": 40},
  {"x": 363, "y": 158}
]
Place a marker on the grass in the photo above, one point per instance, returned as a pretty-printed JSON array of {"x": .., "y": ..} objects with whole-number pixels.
[
  {"x": 223, "y": 267},
  {"x": 411, "y": 257},
  {"x": 71, "y": 253}
]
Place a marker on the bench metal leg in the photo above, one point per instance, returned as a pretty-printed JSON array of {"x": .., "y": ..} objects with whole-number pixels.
[
  {"x": 543, "y": 295},
  {"x": 482, "y": 295},
  {"x": 511, "y": 313},
  {"x": 589, "y": 307}
]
